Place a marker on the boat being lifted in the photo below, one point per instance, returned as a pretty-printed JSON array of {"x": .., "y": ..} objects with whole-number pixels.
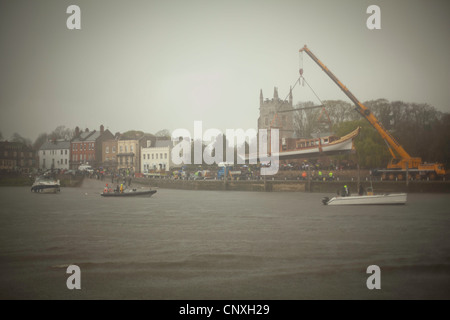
[{"x": 296, "y": 148}]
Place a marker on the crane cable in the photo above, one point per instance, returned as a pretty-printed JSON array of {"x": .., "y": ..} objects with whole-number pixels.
[{"x": 304, "y": 80}]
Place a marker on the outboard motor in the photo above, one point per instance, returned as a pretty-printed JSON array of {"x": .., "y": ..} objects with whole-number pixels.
[{"x": 325, "y": 200}]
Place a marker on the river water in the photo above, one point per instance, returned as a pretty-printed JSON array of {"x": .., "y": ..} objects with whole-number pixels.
[{"x": 182, "y": 244}]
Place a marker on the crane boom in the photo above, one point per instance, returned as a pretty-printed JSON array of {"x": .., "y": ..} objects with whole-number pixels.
[{"x": 405, "y": 158}]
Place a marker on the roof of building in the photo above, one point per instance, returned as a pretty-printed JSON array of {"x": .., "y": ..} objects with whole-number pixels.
[
  {"x": 6, "y": 145},
  {"x": 163, "y": 143},
  {"x": 57, "y": 144},
  {"x": 87, "y": 136}
]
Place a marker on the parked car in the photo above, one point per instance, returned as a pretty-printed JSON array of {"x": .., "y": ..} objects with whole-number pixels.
[{"x": 85, "y": 168}]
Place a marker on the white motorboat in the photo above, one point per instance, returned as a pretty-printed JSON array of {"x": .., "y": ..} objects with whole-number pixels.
[
  {"x": 45, "y": 185},
  {"x": 377, "y": 199}
]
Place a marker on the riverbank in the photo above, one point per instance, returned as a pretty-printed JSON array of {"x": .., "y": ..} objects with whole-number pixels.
[
  {"x": 254, "y": 185},
  {"x": 296, "y": 185}
]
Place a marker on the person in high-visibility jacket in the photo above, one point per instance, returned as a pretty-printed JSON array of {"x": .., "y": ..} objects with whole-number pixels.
[
  {"x": 121, "y": 188},
  {"x": 320, "y": 175},
  {"x": 330, "y": 175}
]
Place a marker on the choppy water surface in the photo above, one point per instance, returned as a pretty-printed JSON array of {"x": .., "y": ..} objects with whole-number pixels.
[{"x": 220, "y": 245}]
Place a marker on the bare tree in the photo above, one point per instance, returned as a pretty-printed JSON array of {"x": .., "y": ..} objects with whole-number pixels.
[
  {"x": 61, "y": 132},
  {"x": 19, "y": 139},
  {"x": 164, "y": 133},
  {"x": 40, "y": 140}
]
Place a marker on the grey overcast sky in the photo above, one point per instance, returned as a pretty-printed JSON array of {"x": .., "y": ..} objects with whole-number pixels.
[{"x": 151, "y": 65}]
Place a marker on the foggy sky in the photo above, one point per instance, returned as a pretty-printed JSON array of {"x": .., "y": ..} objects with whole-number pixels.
[{"x": 152, "y": 65}]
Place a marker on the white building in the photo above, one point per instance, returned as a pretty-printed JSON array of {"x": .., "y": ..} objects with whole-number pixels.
[
  {"x": 54, "y": 155},
  {"x": 157, "y": 158}
]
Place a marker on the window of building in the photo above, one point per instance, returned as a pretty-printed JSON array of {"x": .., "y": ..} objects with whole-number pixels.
[
  {"x": 131, "y": 148},
  {"x": 165, "y": 155},
  {"x": 43, "y": 153},
  {"x": 121, "y": 149},
  {"x": 153, "y": 156},
  {"x": 156, "y": 156},
  {"x": 149, "y": 143},
  {"x": 65, "y": 161},
  {"x": 160, "y": 156},
  {"x": 107, "y": 149},
  {"x": 126, "y": 149}
]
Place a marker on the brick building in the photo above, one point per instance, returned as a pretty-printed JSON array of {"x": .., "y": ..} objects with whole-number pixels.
[
  {"x": 16, "y": 157},
  {"x": 109, "y": 153},
  {"x": 86, "y": 147}
]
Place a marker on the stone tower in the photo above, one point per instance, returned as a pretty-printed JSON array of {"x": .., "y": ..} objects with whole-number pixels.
[{"x": 284, "y": 120}]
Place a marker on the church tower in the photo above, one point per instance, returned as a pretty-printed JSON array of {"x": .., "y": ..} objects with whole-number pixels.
[{"x": 284, "y": 120}]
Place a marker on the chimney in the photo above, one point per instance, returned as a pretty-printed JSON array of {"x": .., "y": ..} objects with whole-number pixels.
[
  {"x": 102, "y": 129},
  {"x": 87, "y": 130},
  {"x": 77, "y": 131}
]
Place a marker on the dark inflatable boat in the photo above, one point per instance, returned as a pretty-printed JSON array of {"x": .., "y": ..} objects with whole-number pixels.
[{"x": 131, "y": 193}]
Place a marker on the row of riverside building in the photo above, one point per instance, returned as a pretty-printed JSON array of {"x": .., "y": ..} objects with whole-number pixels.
[
  {"x": 140, "y": 154},
  {"x": 100, "y": 149}
]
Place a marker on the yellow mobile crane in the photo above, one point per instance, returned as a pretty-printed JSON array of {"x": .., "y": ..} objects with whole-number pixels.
[{"x": 401, "y": 160}]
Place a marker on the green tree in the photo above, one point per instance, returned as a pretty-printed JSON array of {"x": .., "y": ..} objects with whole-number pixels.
[{"x": 371, "y": 150}]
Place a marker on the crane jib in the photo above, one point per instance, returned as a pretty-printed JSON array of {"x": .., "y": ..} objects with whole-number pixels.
[{"x": 365, "y": 112}]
